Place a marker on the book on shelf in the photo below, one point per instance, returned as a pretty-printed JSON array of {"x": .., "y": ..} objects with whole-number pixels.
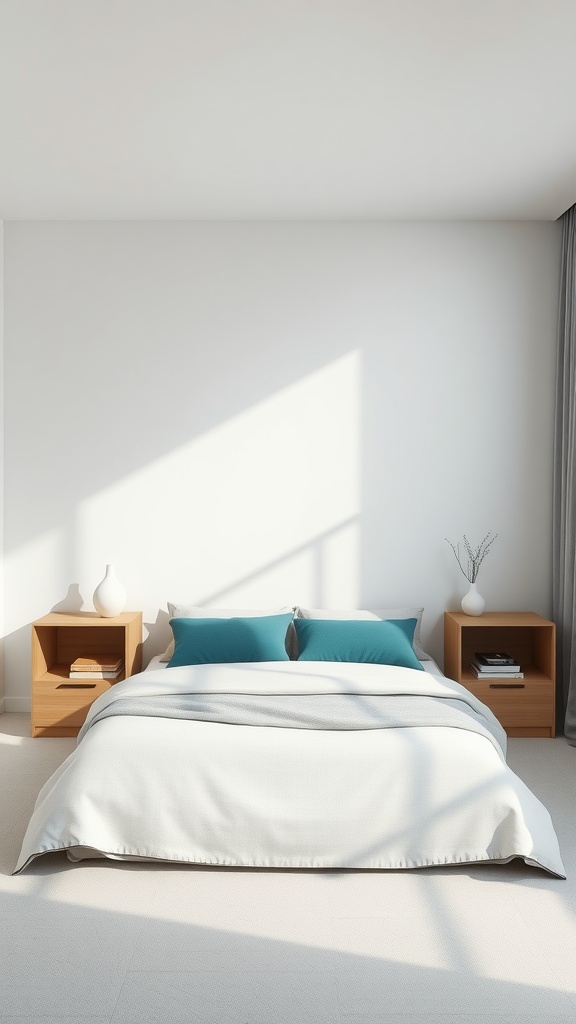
[
  {"x": 95, "y": 675},
  {"x": 97, "y": 666},
  {"x": 97, "y": 663},
  {"x": 494, "y": 673},
  {"x": 488, "y": 669},
  {"x": 496, "y": 659}
]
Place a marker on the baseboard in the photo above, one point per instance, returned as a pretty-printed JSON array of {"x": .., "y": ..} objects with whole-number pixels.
[
  {"x": 17, "y": 704},
  {"x": 2, "y": 709}
]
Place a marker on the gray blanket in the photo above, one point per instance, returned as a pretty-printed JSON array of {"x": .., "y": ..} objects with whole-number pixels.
[{"x": 314, "y": 711}]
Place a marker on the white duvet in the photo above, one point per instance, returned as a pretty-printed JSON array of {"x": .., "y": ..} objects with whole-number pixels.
[{"x": 237, "y": 795}]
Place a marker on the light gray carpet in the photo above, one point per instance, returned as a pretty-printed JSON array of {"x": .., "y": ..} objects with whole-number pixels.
[{"x": 100, "y": 942}]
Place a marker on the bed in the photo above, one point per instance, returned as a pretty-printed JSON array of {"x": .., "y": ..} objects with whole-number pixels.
[{"x": 314, "y": 763}]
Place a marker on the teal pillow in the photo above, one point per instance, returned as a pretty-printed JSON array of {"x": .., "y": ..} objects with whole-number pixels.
[
  {"x": 380, "y": 642},
  {"x": 221, "y": 641}
]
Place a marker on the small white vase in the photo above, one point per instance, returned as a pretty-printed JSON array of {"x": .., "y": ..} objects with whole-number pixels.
[
  {"x": 109, "y": 597},
  {"x": 473, "y": 602}
]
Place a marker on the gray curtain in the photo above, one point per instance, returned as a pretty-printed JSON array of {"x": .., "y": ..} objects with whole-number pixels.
[{"x": 564, "y": 530}]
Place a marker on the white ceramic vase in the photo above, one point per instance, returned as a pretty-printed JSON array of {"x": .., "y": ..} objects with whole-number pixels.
[
  {"x": 473, "y": 602},
  {"x": 109, "y": 597}
]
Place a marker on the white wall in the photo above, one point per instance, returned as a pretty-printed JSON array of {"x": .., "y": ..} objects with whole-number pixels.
[
  {"x": 264, "y": 414},
  {"x": 2, "y": 702}
]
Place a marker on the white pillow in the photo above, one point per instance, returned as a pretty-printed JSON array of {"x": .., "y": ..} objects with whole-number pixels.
[
  {"x": 381, "y": 613},
  {"x": 185, "y": 611}
]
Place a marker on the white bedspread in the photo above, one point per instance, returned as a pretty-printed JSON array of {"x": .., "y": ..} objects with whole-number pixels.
[{"x": 237, "y": 795}]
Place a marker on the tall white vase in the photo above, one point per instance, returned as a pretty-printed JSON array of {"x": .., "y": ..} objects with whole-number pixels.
[
  {"x": 109, "y": 597},
  {"x": 473, "y": 602}
]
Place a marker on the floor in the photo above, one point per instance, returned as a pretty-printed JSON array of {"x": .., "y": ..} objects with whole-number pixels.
[{"x": 106, "y": 943}]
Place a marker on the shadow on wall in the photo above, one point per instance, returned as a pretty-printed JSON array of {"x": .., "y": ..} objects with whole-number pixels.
[
  {"x": 73, "y": 602},
  {"x": 317, "y": 554}
]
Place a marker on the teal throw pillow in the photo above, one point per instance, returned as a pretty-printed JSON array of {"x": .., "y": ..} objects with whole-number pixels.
[
  {"x": 221, "y": 641},
  {"x": 380, "y": 642}
]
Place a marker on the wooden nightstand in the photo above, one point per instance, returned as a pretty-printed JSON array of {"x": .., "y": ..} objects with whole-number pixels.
[
  {"x": 525, "y": 707},
  {"x": 60, "y": 704}
]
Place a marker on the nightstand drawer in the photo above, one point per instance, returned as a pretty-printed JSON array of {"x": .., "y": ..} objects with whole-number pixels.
[
  {"x": 519, "y": 703},
  {"x": 65, "y": 703}
]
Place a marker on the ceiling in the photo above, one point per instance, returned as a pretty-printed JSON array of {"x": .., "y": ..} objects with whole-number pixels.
[{"x": 287, "y": 109}]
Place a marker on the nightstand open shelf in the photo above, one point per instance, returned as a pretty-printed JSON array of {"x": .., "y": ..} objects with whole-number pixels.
[
  {"x": 525, "y": 707},
  {"x": 60, "y": 704}
]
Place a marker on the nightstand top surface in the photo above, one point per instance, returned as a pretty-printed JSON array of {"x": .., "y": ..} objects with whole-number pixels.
[
  {"x": 500, "y": 619},
  {"x": 85, "y": 619}
]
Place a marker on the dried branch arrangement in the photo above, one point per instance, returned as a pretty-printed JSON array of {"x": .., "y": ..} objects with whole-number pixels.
[{"x": 470, "y": 559}]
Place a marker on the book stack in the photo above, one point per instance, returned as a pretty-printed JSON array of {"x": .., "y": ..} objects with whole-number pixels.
[
  {"x": 97, "y": 666},
  {"x": 495, "y": 665}
]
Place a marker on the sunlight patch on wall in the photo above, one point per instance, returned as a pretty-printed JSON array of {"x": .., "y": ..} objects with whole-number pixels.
[{"x": 262, "y": 508}]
